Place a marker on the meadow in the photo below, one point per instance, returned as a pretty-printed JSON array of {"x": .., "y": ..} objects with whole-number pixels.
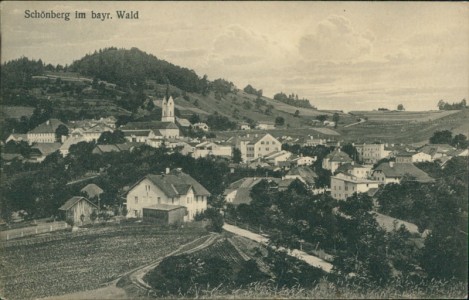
[{"x": 84, "y": 260}]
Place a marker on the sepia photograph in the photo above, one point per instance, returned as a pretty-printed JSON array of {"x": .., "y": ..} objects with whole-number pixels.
[{"x": 234, "y": 150}]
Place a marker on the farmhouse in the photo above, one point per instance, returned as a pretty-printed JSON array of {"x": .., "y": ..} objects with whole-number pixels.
[
  {"x": 265, "y": 125},
  {"x": 17, "y": 137},
  {"x": 201, "y": 126},
  {"x": 40, "y": 151},
  {"x": 174, "y": 188},
  {"x": 92, "y": 190},
  {"x": 391, "y": 172},
  {"x": 276, "y": 157},
  {"x": 304, "y": 174},
  {"x": 411, "y": 157},
  {"x": 239, "y": 192},
  {"x": 210, "y": 148},
  {"x": 78, "y": 209}
]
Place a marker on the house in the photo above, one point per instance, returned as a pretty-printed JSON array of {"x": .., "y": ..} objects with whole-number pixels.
[
  {"x": 371, "y": 153},
  {"x": 412, "y": 157},
  {"x": 265, "y": 125},
  {"x": 164, "y": 214},
  {"x": 100, "y": 149},
  {"x": 329, "y": 123},
  {"x": 276, "y": 157},
  {"x": 437, "y": 151},
  {"x": 391, "y": 172},
  {"x": 140, "y": 131},
  {"x": 173, "y": 188},
  {"x": 335, "y": 159},
  {"x": 200, "y": 126},
  {"x": 304, "y": 173},
  {"x": 78, "y": 209},
  {"x": 244, "y": 126},
  {"x": 71, "y": 140},
  {"x": 40, "y": 151},
  {"x": 344, "y": 186},
  {"x": 92, "y": 190},
  {"x": 207, "y": 148},
  {"x": 239, "y": 192},
  {"x": 256, "y": 146},
  {"x": 356, "y": 170},
  {"x": 45, "y": 132},
  {"x": 303, "y": 160}
]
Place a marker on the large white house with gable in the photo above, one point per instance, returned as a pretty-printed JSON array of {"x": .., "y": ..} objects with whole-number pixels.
[{"x": 174, "y": 188}]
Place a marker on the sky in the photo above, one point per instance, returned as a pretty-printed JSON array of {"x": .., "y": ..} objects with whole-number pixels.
[{"x": 339, "y": 55}]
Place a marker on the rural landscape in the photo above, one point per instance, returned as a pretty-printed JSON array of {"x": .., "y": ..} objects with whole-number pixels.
[{"x": 127, "y": 176}]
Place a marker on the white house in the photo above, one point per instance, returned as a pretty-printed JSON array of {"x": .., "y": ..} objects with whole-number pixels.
[
  {"x": 356, "y": 170},
  {"x": 344, "y": 186},
  {"x": 335, "y": 159},
  {"x": 265, "y": 125},
  {"x": 255, "y": 146},
  {"x": 210, "y": 148},
  {"x": 304, "y": 160},
  {"x": 173, "y": 188},
  {"x": 371, "y": 153},
  {"x": 276, "y": 157},
  {"x": 201, "y": 126}
]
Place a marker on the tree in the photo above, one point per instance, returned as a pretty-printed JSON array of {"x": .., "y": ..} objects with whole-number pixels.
[
  {"x": 442, "y": 137},
  {"x": 237, "y": 158},
  {"x": 351, "y": 151},
  {"x": 111, "y": 138},
  {"x": 61, "y": 130},
  {"x": 322, "y": 118},
  {"x": 400, "y": 107},
  {"x": 297, "y": 113},
  {"x": 460, "y": 141},
  {"x": 335, "y": 118},
  {"x": 279, "y": 121}
]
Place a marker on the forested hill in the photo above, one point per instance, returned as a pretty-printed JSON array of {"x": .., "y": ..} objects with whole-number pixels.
[{"x": 123, "y": 66}]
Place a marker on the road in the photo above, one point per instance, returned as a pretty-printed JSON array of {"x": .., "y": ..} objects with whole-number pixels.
[
  {"x": 353, "y": 124},
  {"x": 307, "y": 258}
]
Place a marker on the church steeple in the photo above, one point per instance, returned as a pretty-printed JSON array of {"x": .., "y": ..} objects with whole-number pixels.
[{"x": 167, "y": 111}]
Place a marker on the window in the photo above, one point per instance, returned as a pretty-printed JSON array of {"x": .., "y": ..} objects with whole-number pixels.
[
  {"x": 136, "y": 200},
  {"x": 262, "y": 143},
  {"x": 159, "y": 200},
  {"x": 267, "y": 149},
  {"x": 267, "y": 142}
]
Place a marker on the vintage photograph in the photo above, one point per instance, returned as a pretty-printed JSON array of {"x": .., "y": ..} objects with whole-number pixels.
[{"x": 234, "y": 150}]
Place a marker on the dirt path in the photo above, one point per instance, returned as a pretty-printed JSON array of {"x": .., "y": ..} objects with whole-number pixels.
[{"x": 112, "y": 291}]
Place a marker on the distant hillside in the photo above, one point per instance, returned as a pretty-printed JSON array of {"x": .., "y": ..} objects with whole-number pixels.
[{"x": 134, "y": 66}]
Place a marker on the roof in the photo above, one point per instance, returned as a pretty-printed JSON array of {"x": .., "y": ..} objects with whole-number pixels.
[
  {"x": 304, "y": 172},
  {"x": 149, "y": 125},
  {"x": 339, "y": 156},
  {"x": 405, "y": 154},
  {"x": 176, "y": 183},
  {"x": 436, "y": 148},
  {"x": 244, "y": 186},
  {"x": 74, "y": 200},
  {"x": 107, "y": 148},
  {"x": 165, "y": 207},
  {"x": 144, "y": 132},
  {"x": 11, "y": 156},
  {"x": 47, "y": 148},
  {"x": 398, "y": 170},
  {"x": 72, "y": 141},
  {"x": 92, "y": 190},
  {"x": 389, "y": 223},
  {"x": 47, "y": 127}
]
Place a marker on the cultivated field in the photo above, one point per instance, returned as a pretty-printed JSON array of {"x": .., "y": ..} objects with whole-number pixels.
[{"x": 85, "y": 260}]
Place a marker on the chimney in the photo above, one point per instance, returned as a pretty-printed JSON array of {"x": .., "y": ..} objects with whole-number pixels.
[
  {"x": 391, "y": 164},
  {"x": 167, "y": 170}
]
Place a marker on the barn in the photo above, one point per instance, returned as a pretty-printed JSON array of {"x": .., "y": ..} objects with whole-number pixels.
[
  {"x": 164, "y": 214},
  {"x": 76, "y": 207}
]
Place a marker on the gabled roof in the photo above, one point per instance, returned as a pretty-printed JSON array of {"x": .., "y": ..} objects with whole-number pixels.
[
  {"x": 398, "y": 170},
  {"x": 183, "y": 122},
  {"x": 107, "y": 148},
  {"x": 304, "y": 172},
  {"x": 11, "y": 156},
  {"x": 243, "y": 188},
  {"x": 144, "y": 132},
  {"x": 176, "y": 183},
  {"x": 47, "y": 127},
  {"x": 47, "y": 148},
  {"x": 92, "y": 190},
  {"x": 436, "y": 148},
  {"x": 73, "y": 201},
  {"x": 339, "y": 156}
]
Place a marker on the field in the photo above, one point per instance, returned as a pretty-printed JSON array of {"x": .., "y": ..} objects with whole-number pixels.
[
  {"x": 84, "y": 260},
  {"x": 409, "y": 116}
]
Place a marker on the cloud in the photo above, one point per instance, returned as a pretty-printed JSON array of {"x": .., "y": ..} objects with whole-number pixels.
[{"x": 335, "y": 39}]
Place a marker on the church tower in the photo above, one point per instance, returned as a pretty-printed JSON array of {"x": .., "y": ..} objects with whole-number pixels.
[{"x": 167, "y": 111}]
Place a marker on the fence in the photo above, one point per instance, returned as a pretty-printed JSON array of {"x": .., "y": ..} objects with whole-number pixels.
[{"x": 33, "y": 230}]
